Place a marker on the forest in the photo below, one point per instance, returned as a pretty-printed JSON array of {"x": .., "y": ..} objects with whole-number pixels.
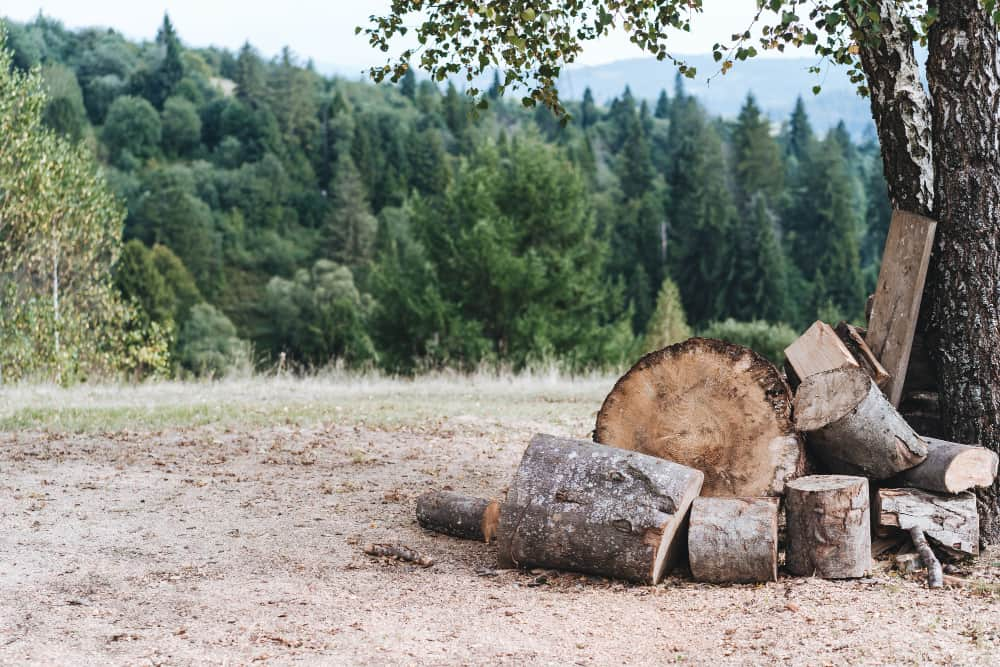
[{"x": 260, "y": 215}]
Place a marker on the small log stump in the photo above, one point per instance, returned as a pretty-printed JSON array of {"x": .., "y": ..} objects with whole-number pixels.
[
  {"x": 734, "y": 540},
  {"x": 846, "y": 417},
  {"x": 575, "y": 505},
  {"x": 715, "y": 406},
  {"x": 828, "y": 529},
  {"x": 452, "y": 514},
  {"x": 952, "y": 468},
  {"x": 951, "y": 521}
]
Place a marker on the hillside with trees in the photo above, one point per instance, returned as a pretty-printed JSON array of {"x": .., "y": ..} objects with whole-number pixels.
[{"x": 277, "y": 218}]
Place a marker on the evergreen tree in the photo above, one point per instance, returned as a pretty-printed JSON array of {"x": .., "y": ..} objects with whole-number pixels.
[
  {"x": 588, "y": 110},
  {"x": 170, "y": 69},
  {"x": 799, "y": 139},
  {"x": 758, "y": 168},
  {"x": 662, "y": 106},
  {"x": 250, "y": 86},
  {"x": 668, "y": 324},
  {"x": 349, "y": 229},
  {"x": 408, "y": 84},
  {"x": 760, "y": 289},
  {"x": 494, "y": 91},
  {"x": 138, "y": 280}
]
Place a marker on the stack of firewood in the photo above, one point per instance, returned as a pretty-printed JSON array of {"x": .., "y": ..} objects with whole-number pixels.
[{"x": 702, "y": 445}]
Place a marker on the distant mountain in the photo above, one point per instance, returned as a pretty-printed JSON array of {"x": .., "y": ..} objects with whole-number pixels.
[{"x": 775, "y": 82}]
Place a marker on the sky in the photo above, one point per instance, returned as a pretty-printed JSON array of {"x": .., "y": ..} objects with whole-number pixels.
[{"x": 322, "y": 29}]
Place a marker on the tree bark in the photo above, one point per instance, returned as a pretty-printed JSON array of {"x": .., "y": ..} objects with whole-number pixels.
[
  {"x": 734, "y": 540},
  {"x": 847, "y": 418},
  {"x": 575, "y": 505},
  {"x": 951, "y": 521},
  {"x": 964, "y": 286},
  {"x": 711, "y": 405},
  {"x": 452, "y": 514},
  {"x": 935, "y": 577},
  {"x": 828, "y": 527}
]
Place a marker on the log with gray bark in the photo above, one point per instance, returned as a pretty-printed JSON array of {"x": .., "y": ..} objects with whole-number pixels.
[
  {"x": 453, "y": 514},
  {"x": 847, "y": 418},
  {"x": 951, "y": 521},
  {"x": 734, "y": 540},
  {"x": 952, "y": 468},
  {"x": 828, "y": 531},
  {"x": 711, "y": 405},
  {"x": 575, "y": 505}
]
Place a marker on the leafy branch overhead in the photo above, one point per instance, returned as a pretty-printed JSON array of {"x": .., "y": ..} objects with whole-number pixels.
[{"x": 530, "y": 41}]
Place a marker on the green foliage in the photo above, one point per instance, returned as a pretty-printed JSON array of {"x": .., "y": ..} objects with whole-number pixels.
[
  {"x": 181, "y": 127},
  {"x": 208, "y": 344},
  {"x": 349, "y": 230},
  {"x": 64, "y": 110},
  {"x": 768, "y": 340},
  {"x": 132, "y": 127},
  {"x": 668, "y": 325}
]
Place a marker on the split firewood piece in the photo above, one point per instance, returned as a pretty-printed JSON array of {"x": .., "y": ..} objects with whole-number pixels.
[
  {"x": 898, "y": 291},
  {"x": 854, "y": 340},
  {"x": 818, "y": 349},
  {"x": 399, "y": 552},
  {"x": 734, "y": 540},
  {"x": 452, "y": 514},
  {"x": 846, "y": 417},
  {"x": 575, "y": 505},
  {"x": 828, "y": 532},
  {"x": 935, "y": 575},
  {"x": 952, "y": 468},
  {"x": 711, "y": 405},
  {"x": 951, "y": 521}
]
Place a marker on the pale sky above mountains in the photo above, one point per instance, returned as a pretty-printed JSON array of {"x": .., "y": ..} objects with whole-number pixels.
[{"x": 323, "y": 29}]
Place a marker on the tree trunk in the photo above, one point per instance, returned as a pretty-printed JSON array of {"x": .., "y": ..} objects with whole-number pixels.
[
  {"x": 452, "y": 514},
  {"x": 952, "y": 468},
  {"x": 951, "y": 521},
  {"x": 829, "y": 532},
  {"x": 847, "y": 418},
  {"x": 964, "y": 286},
  {"x": 576, "y": 505},
  {"x": 711, "y": 405},
  {"x": 734, "y": 540}
]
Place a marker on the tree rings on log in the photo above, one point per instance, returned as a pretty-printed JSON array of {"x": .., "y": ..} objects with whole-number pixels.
[
  {"x": 715, "y": 406},
  {"x": 846, "y": 417},
  {"x": 575, "y": 505},
  {"x": 828, "y": 526},
  {"x": 733, "y": 540}
]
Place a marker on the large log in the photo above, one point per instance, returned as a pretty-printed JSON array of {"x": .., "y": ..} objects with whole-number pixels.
[
  {"x": 452, "y": 514},
  {"x": 952, "y": 468},
  {"x": 951, "y": 521},
  {"x": 828, "y": 531},
  {"x": 846, "y": 417},
  {"x": 818, "y": 349},
  {"x": 576, "y": 505},
  {"x": 711, "y": 405},
  {"x": 900, "y": 286},
  {"x": 734, "y": 540}
]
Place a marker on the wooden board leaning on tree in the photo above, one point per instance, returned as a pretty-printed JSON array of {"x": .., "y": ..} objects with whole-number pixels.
[
  {"x": 847, "y": 418},
  {"x": 896, "y": 303},
  {"x": 579, "y": 506},
  {"x": 711, "y": 405}
]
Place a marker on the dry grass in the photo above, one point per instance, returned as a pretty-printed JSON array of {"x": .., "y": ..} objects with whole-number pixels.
[{"x": 370, "y": 399}]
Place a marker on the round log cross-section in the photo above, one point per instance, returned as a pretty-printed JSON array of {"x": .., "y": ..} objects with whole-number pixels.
[
  {"x": 733, "y": 540},
  {"x": 828, "y": 526},
  {"x": 715, "y": 406},
  {"x": 574, "y": 505}
]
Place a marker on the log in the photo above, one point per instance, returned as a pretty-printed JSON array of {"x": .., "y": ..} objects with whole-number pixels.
[
  {"x": 846, "y": 417},
  {"x": 399, "y": 552},
  {"x": 576, "y": 505},
  {"x": 828, "y": 527},
  {"x": 854, "y": 340},
  {"x": 950, "y": 521},
  {"x": 900, "y": 286},
  {"x": 952, "y": 468},
  {"x": 818, "y": 349},
  {"x": 734, "y": 540},
  {"x": 452, "y": 514},
  {"x": 715, "y": 406},
  {"x": 934, "y": 573}
]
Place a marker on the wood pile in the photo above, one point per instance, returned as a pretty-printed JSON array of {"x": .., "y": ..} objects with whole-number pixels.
[{"x": 701, "y": 445}]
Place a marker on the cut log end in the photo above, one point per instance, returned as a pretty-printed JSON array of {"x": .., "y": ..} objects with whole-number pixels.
[
  {"x": 711, "y": 405},
  {"x": 829, "y": 396}
]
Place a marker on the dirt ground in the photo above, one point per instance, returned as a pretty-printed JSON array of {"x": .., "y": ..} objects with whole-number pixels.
[{"x": 234, "y": 544}]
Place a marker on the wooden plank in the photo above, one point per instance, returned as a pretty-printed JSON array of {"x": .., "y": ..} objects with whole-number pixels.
[
  {"x": 897, "y": 295},
  {"x": 818, "y": 349},
  {"x": 854, "y": 339}
]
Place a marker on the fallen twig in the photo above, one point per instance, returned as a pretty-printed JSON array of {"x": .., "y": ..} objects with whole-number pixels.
[
  {"x": 399, "y": 552},
  {"x": 935, "y": 577}
]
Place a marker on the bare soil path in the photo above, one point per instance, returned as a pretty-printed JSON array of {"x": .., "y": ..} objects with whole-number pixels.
[{"x": 237, "y": 538}]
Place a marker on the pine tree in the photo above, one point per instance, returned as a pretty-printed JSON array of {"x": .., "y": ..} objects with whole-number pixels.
[
  {"x": 494, "y": 91},
  {"x": 170, "y": 71},
  {"x": 588, "y": 110},
  {"x": 350, "y": 228},
  {"x": 662, "y": 106},
  {"x": 250, "y": 85},
  {"x": 800, "y": 138},
  {"x": 758, "y": 168},
  {"x": 668, "y": 324},
  {"x": 760, "y": 290},
  {"x": 408, "y": 84}
]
